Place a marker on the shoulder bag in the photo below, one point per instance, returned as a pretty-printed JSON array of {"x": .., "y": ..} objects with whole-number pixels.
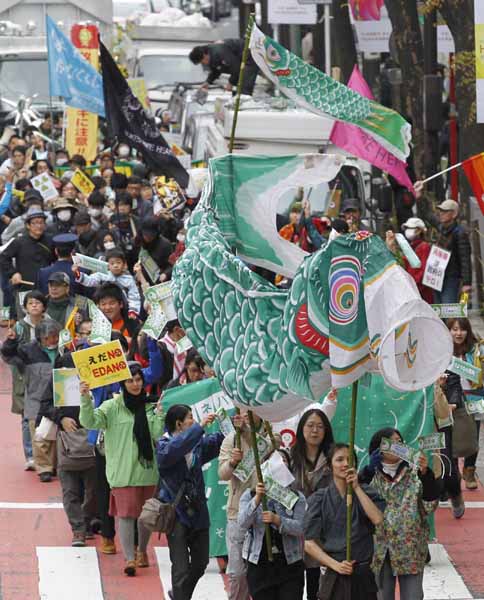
[
  {"x": 160, "y": 516},
  {"x": 74, "y": 452}
]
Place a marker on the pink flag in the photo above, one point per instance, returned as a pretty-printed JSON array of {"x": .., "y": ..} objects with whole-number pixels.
[
  {"x": 359, "y": 143},
  {"x": 366, "y": 10}
]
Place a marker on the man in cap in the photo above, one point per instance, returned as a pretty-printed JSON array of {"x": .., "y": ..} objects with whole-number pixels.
[
  {"x": 60, "y": 303},
  {"x": 31, "y": 251},
  {"x": 86, "y": 233},
  {"x": 64, "y": 245},
  {"x": 63, "y": 212},
  {"x": 351, "y": 213},
  {"x": 453, "y": 238},
  {"x": 32, "y": 202}
]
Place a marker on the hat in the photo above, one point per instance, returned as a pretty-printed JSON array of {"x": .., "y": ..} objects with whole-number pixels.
[
  {"x": 63, "y": 203},
  {"x": 64, "y": 239},
  {"x": 414, "y": 223},
  {"x": 350, "y": 204},
  {"x": 449, "y": 205},
  {"x": 59, "y": 277},
  {"x": 150, "y": 225},
  {"x": 82, "y": 218},
  {"x": 35, "y": 214},
  {"x": 33, "y": 195}
]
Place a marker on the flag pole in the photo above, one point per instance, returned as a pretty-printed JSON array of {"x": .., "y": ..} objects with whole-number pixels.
[
  {"x": 260, "y": 479},
  {"x": 245, "y": 53},
  {"x": 351, "y": 452},
  {"x": 441, "y": 172}
]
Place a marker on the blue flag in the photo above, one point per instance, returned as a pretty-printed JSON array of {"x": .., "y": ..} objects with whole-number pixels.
[{"x": 70, "y": 75}]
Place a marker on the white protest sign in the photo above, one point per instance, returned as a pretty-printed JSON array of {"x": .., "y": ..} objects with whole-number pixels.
[
  {"x": 435, "y": 268},
  {"x": 291, "y": 12},
  {"x": 66, "y": 387},
  {"x": 101, "y": 326},
  {"x": 43, "y": 184},
  {"x": 91, "y": 264},
  {"x": 155, "y": 323}
]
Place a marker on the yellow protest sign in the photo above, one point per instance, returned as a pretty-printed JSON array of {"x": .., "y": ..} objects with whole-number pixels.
[
  {"x": 102, "y": 365},
  {"x": 82, "y": 182}
]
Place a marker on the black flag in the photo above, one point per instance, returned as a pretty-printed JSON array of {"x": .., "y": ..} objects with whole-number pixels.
[{"x": 129, "y": 122}]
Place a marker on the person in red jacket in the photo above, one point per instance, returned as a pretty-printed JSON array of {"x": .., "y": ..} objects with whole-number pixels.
[{"x": 414, "y": 230}]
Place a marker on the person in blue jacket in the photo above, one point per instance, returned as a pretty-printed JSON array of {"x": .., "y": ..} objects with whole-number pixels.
[{"x": 181, "y": 453}]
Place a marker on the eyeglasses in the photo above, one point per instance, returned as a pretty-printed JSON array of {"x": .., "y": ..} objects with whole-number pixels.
[{"x": 314, "y": 426}]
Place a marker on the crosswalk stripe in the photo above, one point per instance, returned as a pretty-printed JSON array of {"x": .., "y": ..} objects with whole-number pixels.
[
  {"x": 441, "y": 580},
  {"x": 468, "y": 504},
  {"x": 29, "y": 505},
  {"x": 210, "y": 586},
  {"x": 66, "y": 572}
]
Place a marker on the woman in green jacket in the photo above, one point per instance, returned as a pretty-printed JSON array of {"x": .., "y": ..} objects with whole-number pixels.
[{"x": 131, "y": 428}]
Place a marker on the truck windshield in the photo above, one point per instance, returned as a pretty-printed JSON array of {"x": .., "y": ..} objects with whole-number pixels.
[
  {"x": 162, "y": 70},
  {"x": 24, "y": 77}
]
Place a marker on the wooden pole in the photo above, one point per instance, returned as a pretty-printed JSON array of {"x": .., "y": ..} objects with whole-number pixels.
[
  {"x": 270, "y": 433},
  {"x": 238, "y": 441},
  {"x": 258, "y": 470},
  {"x": 245, "y": 53},
  {"x": 351, "y": 451}
]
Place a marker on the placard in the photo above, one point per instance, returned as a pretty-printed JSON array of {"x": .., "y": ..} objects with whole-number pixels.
[
  {"x": 433, "y": 441},
  {"x": 291, "y": 12},
  {"x": 91, "y": 264},
  {"x": 183, "y": 345},
  {"x": 435, "y": 268},
  {"x": 406, "y": 453},
  {"x": 152, "y": 269},
  {"x": 101, "y": 325},
  {"x": 43, "y": 184},
  {"x": 82, "y": 182},
  {"x": 464, "y": 369},
  {"x": 155, "y": 323},
  {"x": 450, "y": 311},
  {"x": 157, "y": 293},
  {"x": 66, "y": 384},
  {"x": 102, "y": 365}
]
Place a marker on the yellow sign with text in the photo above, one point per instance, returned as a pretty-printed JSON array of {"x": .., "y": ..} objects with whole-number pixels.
[
  {"x": 82, "y": 182},
  {"x": 102, "y": 365}
]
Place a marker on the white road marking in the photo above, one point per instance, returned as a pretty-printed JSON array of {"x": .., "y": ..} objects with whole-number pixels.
[
  {"x": 209, "y": 587},
  {"x": 441, "y": 580},
  {"x": 66, "y": 572},
  {"x": 469, "y": 504},
  {"x": 29, "y": 505}
]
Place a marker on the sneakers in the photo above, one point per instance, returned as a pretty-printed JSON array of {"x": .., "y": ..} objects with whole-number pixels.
[
  {"x": 130, "y": 568},
  {"x": 29, "y": 465},
  {"x": 142, "y": 559},
  {"x": 78, "y": 539},
  {"x": 89, "y": 533},
  {"x": 458, "y": 506},
  {"x": 45, "y": 477},
  {"x": 469, "y": 476},
  {"x": 107, "y": 546}
]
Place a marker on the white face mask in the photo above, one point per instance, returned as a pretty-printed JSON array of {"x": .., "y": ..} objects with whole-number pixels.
[
  {"x": 61, "y": 162},
  {"x": 109, "y": 245},
  {"x": 180, "y": 237},
  {"x": 123, "y": 151},
  {"x": 410, "y": 234},
  {"x": 64, "y": 214},
  {"x": 94, "y": 212}
]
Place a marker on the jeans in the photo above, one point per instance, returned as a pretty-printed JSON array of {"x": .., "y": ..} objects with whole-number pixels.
[
  {"x": 452, "y": 477},
  {"x": 470, "y": 461},
  {"x": 26, "y": 439},
  {"x": 449, "y": 293},
  {"x": 236, "y": 569},
  {"x": 79, "y": 507},
  {"x": 189, "y": 559},
  {"x": 411, "y": 586}
]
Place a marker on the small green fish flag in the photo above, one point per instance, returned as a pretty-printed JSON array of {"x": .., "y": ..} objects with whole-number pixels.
[{"x": 323, "y": 95}]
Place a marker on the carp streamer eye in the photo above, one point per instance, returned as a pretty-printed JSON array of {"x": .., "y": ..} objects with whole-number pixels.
[{"x": 273, "y": 54}]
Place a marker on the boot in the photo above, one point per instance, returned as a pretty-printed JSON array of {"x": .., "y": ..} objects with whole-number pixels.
[
  {"x": 458, "y": 506},
  {"x": 107, "y": 546},
  {"x": 469, "y": 476},
  {"x": 142, "y": 559},
  {"x": 130, "y": 568}
]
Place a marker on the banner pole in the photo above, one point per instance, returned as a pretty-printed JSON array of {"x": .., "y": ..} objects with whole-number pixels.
[
  {"x": 351, "y": 452},
  {"x": 441, "y": 172},
  {"x": 245, "y": 53},
  {"x": 260, "y": 479}
]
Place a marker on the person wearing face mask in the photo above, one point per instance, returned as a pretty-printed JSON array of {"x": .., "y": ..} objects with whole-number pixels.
[
  {"x": 63, "y": 212},
  {"x": 61, "y": 157},
  {"x": 87, "y": 235},
  {"x": 36, "y": 360},
  {"x": 410, "y": 495},
  {"x": 123, "y": 151},
  {"x": 96, "y": 202},
  {"x": 414, "y": 230}
]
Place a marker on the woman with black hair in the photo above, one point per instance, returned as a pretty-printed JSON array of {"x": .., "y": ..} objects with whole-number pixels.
[
  {"x": 325, "y": 531},
  {"x": 181, "y": 454},
  {"x": 401, "y": 540},
  {"x": 314, "y": 438},
  {"x": 131, "y": 425},
  {"x": 192, "y": 371}
]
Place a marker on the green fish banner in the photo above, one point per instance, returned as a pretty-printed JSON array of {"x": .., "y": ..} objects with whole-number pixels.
[
  {"x": 323, "y": 95},
  {"x": 247, "y": 195},
  {"x": 205, "y": 397}
]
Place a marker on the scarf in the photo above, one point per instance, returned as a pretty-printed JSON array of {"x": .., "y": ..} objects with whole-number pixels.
[
  {"x": 178, "y": 359},
  {"x": 141, "y": 431}
]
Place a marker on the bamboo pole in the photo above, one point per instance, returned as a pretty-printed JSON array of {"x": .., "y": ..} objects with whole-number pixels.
[
  {"x": 238, "y": 441},
  {"x": 245, "y": 52},
  {"x": 270, "y": 433},
  {"x": 258, "y": 470},
  {"x": 351, "y": 451}
]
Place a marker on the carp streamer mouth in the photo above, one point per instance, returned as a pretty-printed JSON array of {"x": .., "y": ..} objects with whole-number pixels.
[{"x": 283, "y": 72}]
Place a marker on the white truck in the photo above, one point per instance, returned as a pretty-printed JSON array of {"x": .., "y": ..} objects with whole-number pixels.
[{"x": 23, "y": 51}]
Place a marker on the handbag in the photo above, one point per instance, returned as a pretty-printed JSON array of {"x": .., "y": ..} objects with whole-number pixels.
[
  {"x": 464, "y": 436},
  {"x": 74, "y": 452},
  {"x": 46, "y": 431},
  {"x": 160, "y": 516}
]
